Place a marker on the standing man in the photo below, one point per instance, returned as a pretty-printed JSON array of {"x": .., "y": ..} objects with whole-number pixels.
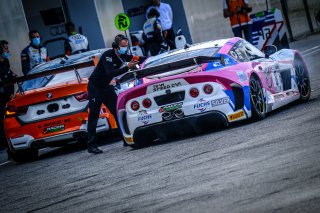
[
  {"x": 75, "y": 43},
  {"x": 166, "y": 18},
  {"x": 238, "y": 12},
  {"x": 152, "y": 33},
  {"x": 34, "y": 54},
  {"x": 112, "y": 63},
  {"x": 5, "y": 91}
]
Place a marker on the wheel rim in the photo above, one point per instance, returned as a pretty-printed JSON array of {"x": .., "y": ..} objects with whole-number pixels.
[
  {"x": 303, "y": 82},
  {"x": 257, "y": 97}
]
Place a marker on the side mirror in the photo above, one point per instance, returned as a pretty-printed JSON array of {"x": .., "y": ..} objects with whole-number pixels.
[{"x": 269, "y": 50}]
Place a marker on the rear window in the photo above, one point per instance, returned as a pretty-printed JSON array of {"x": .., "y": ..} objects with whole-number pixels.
[
  {"x": 55, "y": 79},
  {"x": 61, "y": 77},
  {"x": 183, "y": 55}
]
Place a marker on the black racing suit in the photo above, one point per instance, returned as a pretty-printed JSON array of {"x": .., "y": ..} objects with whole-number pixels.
[
  {"x": 5, "y": 93},
  {"x": 99, "y": 91}
]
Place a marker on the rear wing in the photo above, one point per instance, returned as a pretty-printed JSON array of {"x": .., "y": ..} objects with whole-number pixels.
[{"x": 170, "y": 66}]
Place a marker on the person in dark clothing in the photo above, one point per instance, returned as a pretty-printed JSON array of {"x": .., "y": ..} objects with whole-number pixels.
[
  {"x": 152, "y": 33},
  {"x": 75, "y": 43},
  {"x": 112, "y": 63},
  {"x": 5, "y": 91},
  {"x": 34, "y": 54}
]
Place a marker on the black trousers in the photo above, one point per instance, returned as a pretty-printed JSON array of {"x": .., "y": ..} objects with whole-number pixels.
[
  {"x": 170, "y": 38},
  {"x": 97, "y": 96}
]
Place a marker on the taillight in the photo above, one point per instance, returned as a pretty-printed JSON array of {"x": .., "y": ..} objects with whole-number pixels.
[
  {"x": 146, "y": 103},
  {"x": 194, "y": 92},
  {"x": 82, "y": 96},
  {"x": 14, "y": 111},
  {"x": 208, "y": 89},
  {"x": 10, "y": 111},
  {"x": 135, "y": 105}
]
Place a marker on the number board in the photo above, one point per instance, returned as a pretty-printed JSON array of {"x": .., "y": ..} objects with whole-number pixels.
[{"x": 122, "y": 22}]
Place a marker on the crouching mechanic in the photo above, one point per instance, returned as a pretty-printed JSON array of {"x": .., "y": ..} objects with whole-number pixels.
[{"x": 113, "y": 62}]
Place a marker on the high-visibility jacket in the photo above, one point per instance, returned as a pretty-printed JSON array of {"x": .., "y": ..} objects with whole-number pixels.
[{"x": 239, "y": 19}]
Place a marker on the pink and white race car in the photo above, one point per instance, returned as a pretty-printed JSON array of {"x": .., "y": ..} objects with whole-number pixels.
[{"x": 224, "y": 81}]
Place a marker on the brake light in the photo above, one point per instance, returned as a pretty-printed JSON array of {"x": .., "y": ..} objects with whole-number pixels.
[
  {"x": 146, "y": 103},
  {"x": 82, "y": 96},
  {"x": 194, "y": 92},
  {"x": 14, "y": 111},
  {"x": 208, "y": 89},
  {"x": 10, "y": 111},
  {"x": 135, "y": 105}
]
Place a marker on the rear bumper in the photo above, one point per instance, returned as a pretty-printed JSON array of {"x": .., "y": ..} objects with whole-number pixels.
[
  {"x": 25, "y": 141},
  {"x": 196, "y": 123}
]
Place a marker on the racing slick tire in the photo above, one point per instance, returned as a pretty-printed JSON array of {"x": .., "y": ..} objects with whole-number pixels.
[
  {"x": 302, "y": 79},
  {"x": 258, "y": 105},
  {"x": 24, "y": 155}
]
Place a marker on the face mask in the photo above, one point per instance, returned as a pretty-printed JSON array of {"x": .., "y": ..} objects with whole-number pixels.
[
  {"x": 153, "y": 19},
  {"x": 122, "y": 50},
  {"x": 5, "y": 55},
  {"x": 36, "y": 41}
]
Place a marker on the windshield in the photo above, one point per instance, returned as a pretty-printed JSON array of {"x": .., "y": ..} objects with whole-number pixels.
[{"x": 177, "y": 56}]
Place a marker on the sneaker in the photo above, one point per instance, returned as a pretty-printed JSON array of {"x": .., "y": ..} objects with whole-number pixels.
[{"x": 94, "y": 150}]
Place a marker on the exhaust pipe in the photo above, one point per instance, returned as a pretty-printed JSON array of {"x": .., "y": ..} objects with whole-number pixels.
[
  {"x": 167, "y": 116},
  {"x": 178, "y": 113}
]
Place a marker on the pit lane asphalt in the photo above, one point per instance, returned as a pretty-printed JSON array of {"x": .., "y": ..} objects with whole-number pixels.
[{"x": 270, "y": 165}]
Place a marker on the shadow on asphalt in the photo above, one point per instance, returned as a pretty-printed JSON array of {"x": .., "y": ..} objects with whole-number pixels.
[
  {"x": 192, "y": 134},
  {"x": 110, "y": 138}
]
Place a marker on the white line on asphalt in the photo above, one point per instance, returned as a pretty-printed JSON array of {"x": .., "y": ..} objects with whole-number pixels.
[
  {"x": 2, "y": 164},
  {"x": 311, "y": 53},
  {"x": 311, "y": 49}
]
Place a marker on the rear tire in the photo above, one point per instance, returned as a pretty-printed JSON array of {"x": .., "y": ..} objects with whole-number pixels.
[
  {"x": 302, "y": 79},
  {"x": 258, "y": 105},
  {"x": 24, "y": 155}
]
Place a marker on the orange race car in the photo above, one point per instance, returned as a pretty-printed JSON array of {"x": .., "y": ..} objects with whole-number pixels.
[{"x": 50, "y": 107}]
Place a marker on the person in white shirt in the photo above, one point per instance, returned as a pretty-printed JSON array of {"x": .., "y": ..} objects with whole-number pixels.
[
  {"x": 165, "y": 19},
  {"x": 75, "y": 43}
]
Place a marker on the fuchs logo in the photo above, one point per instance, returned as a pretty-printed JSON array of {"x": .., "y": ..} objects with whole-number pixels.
[
  {"x": 49, "y": 95},
  {"x": 144, "y": 117},
  {"x": 201, "y": 105}
]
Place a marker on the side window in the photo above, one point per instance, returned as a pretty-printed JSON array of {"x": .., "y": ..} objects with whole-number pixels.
[
  {"x": 238, "y": 52},
  {"x": 252, "y": 52}
]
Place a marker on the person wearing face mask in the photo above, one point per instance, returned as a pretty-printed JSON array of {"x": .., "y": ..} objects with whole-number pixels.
[
  {"x": 34, "y": 54},
  {"x": 152, "y": 33},
  {"x": 5, "y": 91},
  {"x": 112, "y": 63},
  {"x": 166, "y": 20}
]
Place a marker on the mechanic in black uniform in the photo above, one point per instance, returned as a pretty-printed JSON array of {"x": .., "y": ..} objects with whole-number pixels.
[
  {"x": 113, "y": 62},
  {"x": 5, "y": 91}
]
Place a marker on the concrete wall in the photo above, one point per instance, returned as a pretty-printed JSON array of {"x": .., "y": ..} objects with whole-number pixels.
[
  {"x": 107, "y": 11},
  {"x": 13, "y": 27}
]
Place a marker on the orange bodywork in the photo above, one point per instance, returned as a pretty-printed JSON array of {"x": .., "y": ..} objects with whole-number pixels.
[{"x": 72, "y": 122}]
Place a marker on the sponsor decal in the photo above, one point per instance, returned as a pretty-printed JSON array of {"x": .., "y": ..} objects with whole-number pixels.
[
  {"x": 220, "y": 101},
  {"x": 58, "y": 122},
  {"x": 144, "y": 117},
  {"x": 236, "y": 115},
  {"x": 165, "y": 86},
  {"x": 53, "y": 129},
  {"x": 171, "y": 107},
  {"x": 201, "y": 105}
]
